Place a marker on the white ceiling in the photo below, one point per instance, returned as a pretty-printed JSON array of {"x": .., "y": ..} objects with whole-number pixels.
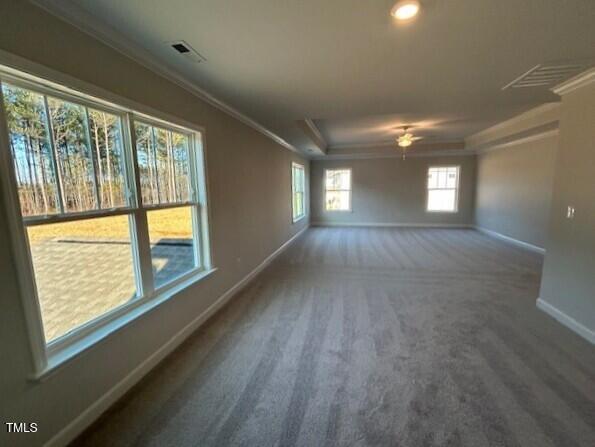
[{"x": 350, "y": 68}]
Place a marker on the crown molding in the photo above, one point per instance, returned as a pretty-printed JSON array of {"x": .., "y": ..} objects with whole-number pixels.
[
  {"x": 312, "y": 132},
  {"x": 391, "y": 143},
  {"x": 398, "y": 154},
  {"x": 543, "y": 109},
  {"x": 82, "y": 20},
  {"x": 362, "y": 145},
  {"x": 519, "y": 140},
  {"x": 584, "y": 78},
  {"x": 316, "y": 131}
]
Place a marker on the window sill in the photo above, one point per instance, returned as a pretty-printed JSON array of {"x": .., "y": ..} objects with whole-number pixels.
[
  {"x": 442, "y": 212},
  {"x": 297, "y": 219},
  {"x": 74, "y": 346}
]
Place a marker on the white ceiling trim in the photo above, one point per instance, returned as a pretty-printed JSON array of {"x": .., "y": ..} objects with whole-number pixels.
[
  {"x": 575, "y": 83},
  {"x": 532, "y": 113},
  {"x": 314, "y": 129},
  {"x": 362, "y": 145},
  {"x": 398, "y": 154},
  {"x": 517, "y": 141},
  {"x": 82, "y": 20},
  {"x": 392, "y": 143}
]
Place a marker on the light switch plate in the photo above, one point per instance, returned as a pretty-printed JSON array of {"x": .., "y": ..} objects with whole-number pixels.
[{"x": 570, "y": 212}]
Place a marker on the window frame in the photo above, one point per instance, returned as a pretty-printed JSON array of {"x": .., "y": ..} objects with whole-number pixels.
[
  {"x": 457, "y": 189},
  {"x": 295, "y": 165},
  {"x": 49, "y": 355},
  {"x": 350, "y": 190}
]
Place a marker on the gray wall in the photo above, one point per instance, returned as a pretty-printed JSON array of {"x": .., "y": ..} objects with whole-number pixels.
[
  {"x": 568, "y": 281},
  {"x": 514, "y": 189},
  {"x": 392, "y": 191},
  {"x": 249, "y": 181}
]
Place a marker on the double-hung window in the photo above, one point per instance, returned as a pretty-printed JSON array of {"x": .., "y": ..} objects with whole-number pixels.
[
  {"x": 443, "y": 189},
  {"x": 112, "y": 205},
  {"x": 298, "y": 189},
  {"x": 337, "y": 189}
]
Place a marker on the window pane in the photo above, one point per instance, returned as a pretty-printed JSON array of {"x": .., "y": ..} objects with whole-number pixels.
[
  {"x": 181, "y": 166},
  {"x": 31, "y": 151},
  {"x": 295, "y": 178},
  {"x": 345, "y": 180},
  {"x": 441, "y": 178},
  {"x": 433, "y": 178},
  {"x": 75, "y": 162},
  {"x": 146, "y": 166},
  {"x": 297, "y": 174},
  {"x": 172, "y": 243},
  {"x": 83, "y": 269},
  {"x": 337, "y": 200},
  {"x": 164, "y": 165},
  {"x": 338, "y": 179},
  {"x": 442, "y": 200},
  {"x": 298, "y": 204},
  {"x": 296, "y": 211},
  {"x": 451, "y": 180},
  {"x": 106, "y": 139}
]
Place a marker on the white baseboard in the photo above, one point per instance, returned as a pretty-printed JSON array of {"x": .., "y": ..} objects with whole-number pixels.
[
  {"x": 526, "y": 245},
  {"x": 567, "y": 321},
  {"x": 88, "y": 416},
  {"x": 389, "y": 224}
]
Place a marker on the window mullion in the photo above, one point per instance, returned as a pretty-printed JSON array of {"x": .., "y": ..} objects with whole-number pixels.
[
  {"x": 140, "y": 233},
  {"x": 55, "y": 158}
]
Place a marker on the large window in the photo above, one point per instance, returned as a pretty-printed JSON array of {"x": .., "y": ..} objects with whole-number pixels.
[
  {"x": 113, "y": 204},
  {"x": 443, "y": 189},
  {"x": 337, "y": 189},
  {"x": 298, "y": 190}
]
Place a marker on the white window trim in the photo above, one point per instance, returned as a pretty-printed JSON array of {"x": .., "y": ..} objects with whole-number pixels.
[
  {"x": 49, "y": 356},
  {"x": 295, "y": 219},
  {"x": 457, "y": 190},
  {"x": 324, "y": 190}
]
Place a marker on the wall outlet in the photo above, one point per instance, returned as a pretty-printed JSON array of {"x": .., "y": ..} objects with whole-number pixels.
[{"x": 570, "y": 213}]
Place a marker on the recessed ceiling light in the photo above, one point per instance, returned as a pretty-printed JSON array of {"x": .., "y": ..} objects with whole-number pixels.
[{"x": 405, "y": 9}]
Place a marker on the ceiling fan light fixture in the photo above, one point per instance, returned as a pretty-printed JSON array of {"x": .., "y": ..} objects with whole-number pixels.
[
  {"x": 405, "y": 9},
  {"x": 405, "y": 140}
]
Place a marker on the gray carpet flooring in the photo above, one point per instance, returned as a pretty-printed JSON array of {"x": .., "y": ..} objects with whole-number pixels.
[{"x": 373, "y": 337}]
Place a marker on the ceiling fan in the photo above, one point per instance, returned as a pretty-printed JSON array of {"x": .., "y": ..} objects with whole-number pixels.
[{"x": 406, "y": 139}]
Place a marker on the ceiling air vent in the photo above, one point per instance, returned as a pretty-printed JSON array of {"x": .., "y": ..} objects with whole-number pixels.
[
  {"x": 187, "y": 51},
  {"x": 548, "y": 74}
]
